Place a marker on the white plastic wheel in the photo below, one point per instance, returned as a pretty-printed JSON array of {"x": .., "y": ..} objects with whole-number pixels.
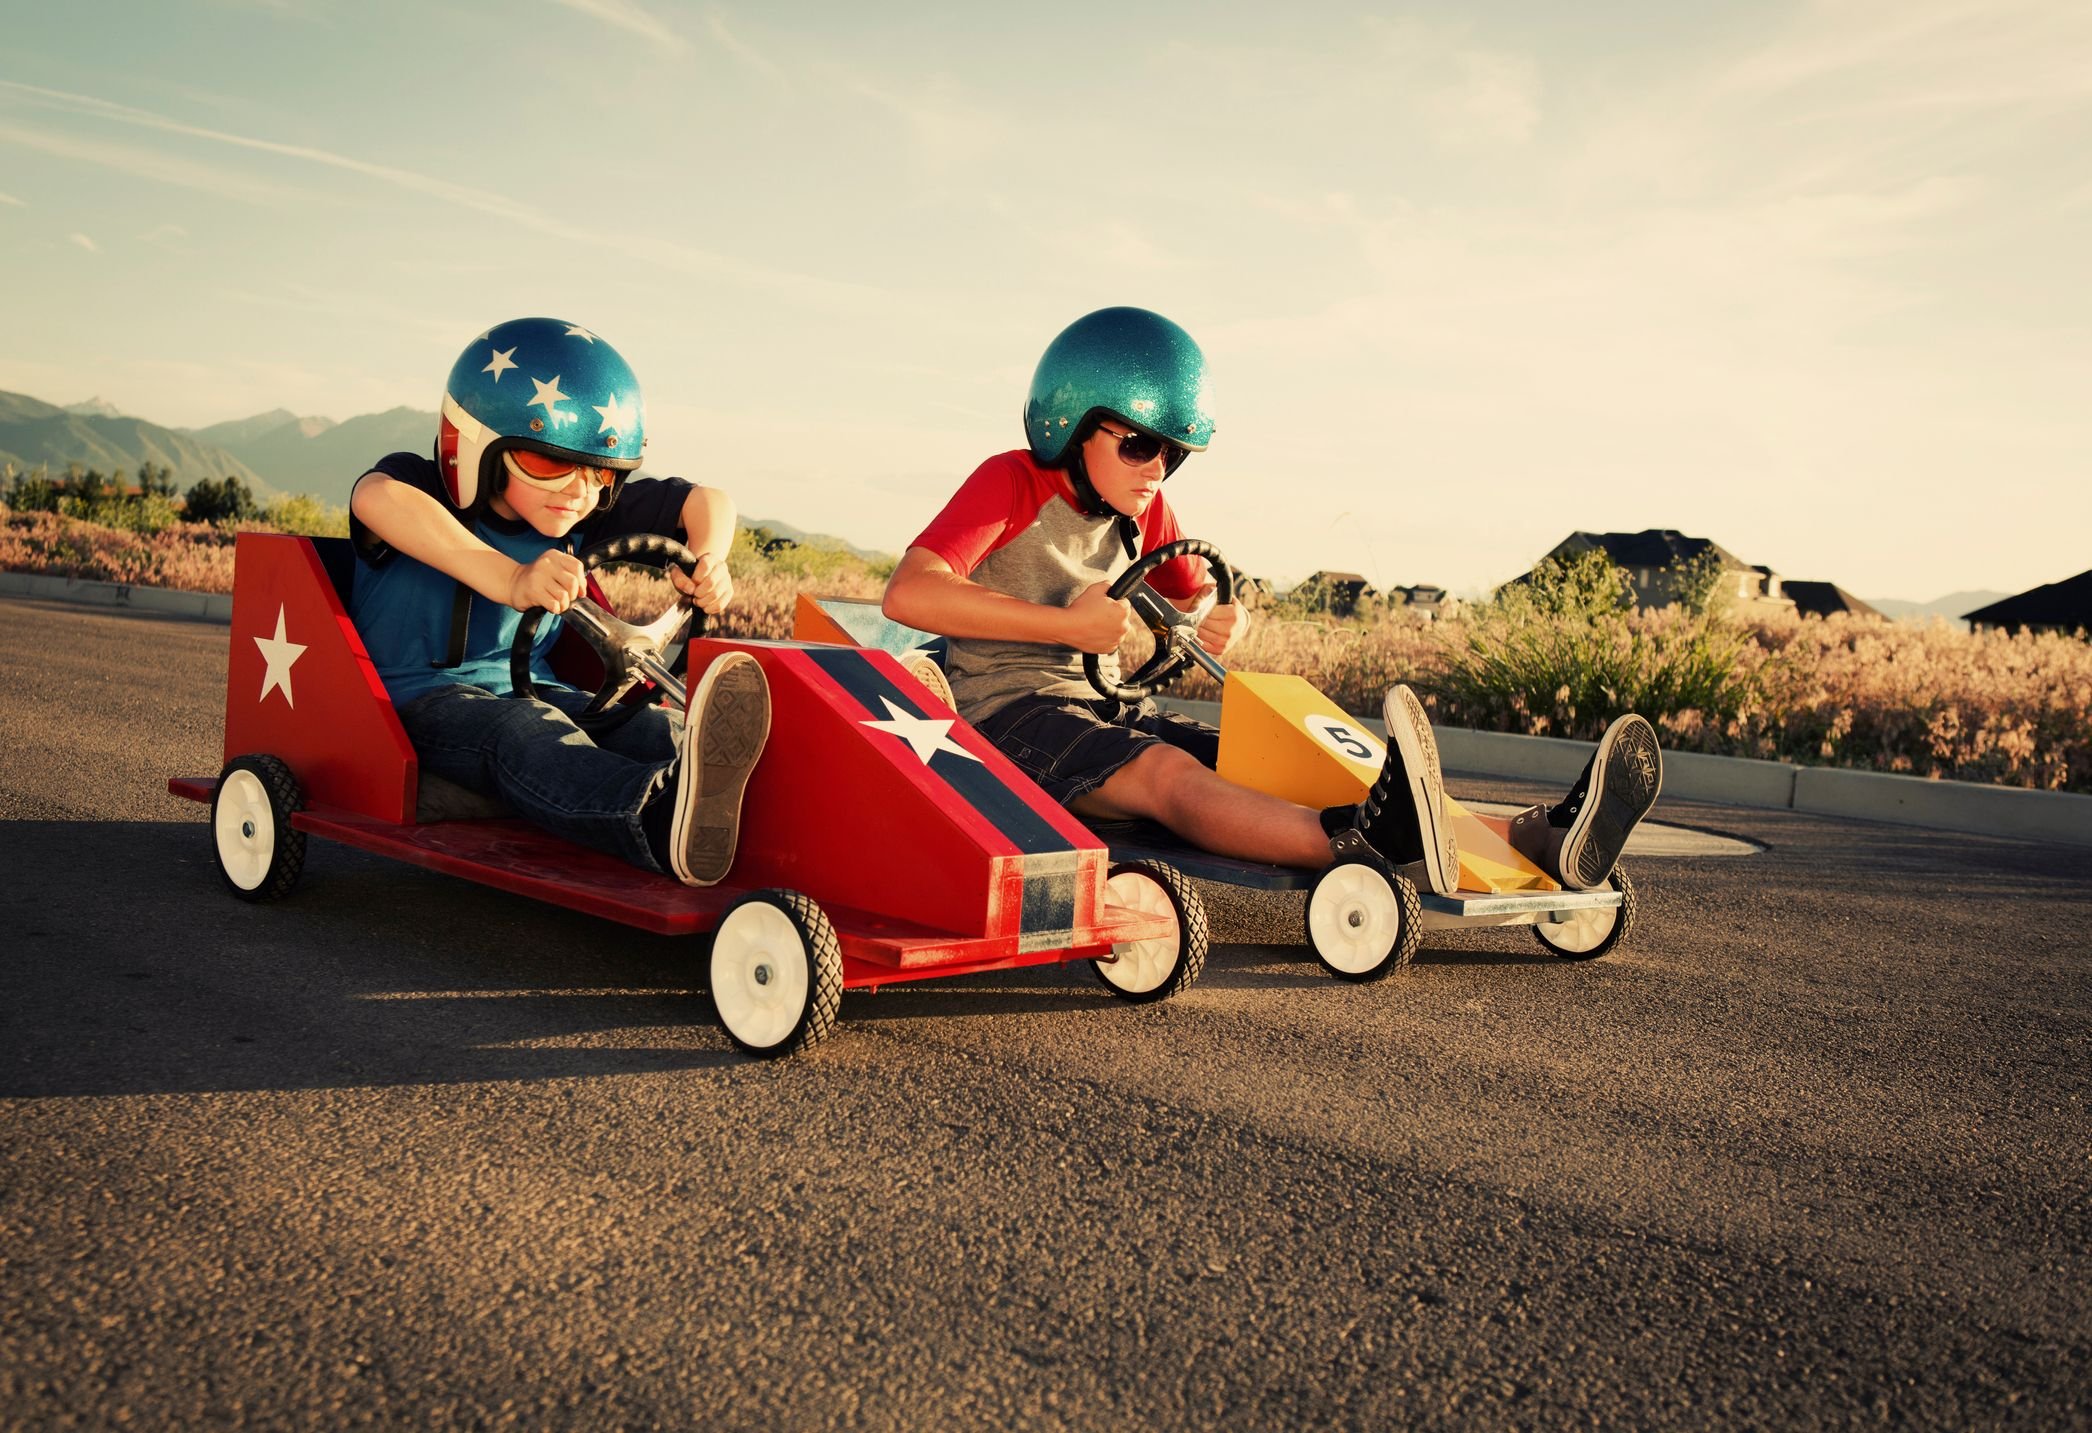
[
  {"x": 1583, "y": 932},
  {"x": 1141, "y": 966},
  {"x": 1589, "y": 934},
  {"x": 1354, "y": 919},
  {"x": 245, "y": 828},
  {"x": 761, "y": 977}
]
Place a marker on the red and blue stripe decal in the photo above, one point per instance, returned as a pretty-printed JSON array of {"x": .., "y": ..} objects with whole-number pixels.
[{"x": 1050, "y": 864}]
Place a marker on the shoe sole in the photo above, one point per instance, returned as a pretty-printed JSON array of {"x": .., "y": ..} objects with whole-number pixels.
[
  {"x": 728, "y": 723},
  {"x": 1410, "y": 729},
  {"x": 1626, "y": 775},
  {"x": 932, "y": 676}
]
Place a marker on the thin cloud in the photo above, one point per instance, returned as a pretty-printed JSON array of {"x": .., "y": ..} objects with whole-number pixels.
[
  {"x": 947, "y": 129},
  {"x": 82, "y": 241},
  {"x": 748, "y": 55},
  {"x": 626, "y": 15},
  {"x": 669, "y": 254},
  {"x": 10, "y": 199},
  {"x": 150, "y": 164}
]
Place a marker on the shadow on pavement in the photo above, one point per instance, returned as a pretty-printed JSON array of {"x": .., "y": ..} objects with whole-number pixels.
[{"x": 132, "y": 971}]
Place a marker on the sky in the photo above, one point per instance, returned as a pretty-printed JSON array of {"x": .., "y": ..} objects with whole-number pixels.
[{"x": 1809, "y": 279}]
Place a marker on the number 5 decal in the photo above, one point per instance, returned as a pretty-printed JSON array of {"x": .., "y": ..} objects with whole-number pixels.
[{"x": 1345, "y": 739}]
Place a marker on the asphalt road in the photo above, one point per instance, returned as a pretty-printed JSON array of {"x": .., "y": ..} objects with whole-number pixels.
[{"x": 1812, "y": 1149}]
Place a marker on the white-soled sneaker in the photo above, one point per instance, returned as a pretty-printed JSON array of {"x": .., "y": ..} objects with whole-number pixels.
[
  {"x": 1618, "y": 787},
  {"x": 723, "y": 733},
  {"x": 1403, "y": 816}
]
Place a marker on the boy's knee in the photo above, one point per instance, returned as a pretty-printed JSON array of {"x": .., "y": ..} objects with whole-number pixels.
[{"x": 1163, "y": 774}]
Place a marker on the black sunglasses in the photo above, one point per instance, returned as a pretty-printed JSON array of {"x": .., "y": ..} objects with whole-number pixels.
[{"x": 1137, "y": 450}]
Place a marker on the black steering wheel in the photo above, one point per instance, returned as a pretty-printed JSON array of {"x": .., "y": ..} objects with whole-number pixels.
[
  {"x": 629, "y": 652},
  {"x": 1176, "y": 632}
]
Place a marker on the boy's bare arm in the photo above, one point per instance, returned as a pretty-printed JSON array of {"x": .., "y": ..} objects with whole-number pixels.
[
  {"x": 410, "y": 521},
  {"x": 924, "y": 592},
  {"x": 708, "y": 531}
]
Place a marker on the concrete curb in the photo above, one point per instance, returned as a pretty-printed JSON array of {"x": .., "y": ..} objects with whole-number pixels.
[
  {"x": 198, "y": 606},
  {"x": 2060, "y": 816},
  {"x": 2056, "y": 816}
]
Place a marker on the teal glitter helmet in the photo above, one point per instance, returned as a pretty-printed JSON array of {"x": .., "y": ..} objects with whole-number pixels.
[
  {"x": 542, "y": 384},
  {"x": 1124, "y": 363}
]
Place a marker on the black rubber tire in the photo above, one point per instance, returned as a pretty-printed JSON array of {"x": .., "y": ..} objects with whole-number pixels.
[
  {"x": 1622, "y": 928},
  {"x": 1192, "y": 937},
  {"x": 282, "y": 848},
  {"x": 823, "y": 955},
  {"x": 1409, "y": 934}
]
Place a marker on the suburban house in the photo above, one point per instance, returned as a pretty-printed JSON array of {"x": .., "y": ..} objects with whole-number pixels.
[
  {"x": 1654, "y": 557},
  {"x": 1426, "y": 599},
  {"x": 1825, "y": 599},
  {"x": 1337, "y": 593},
  {"x": 2064, "y": 606}
]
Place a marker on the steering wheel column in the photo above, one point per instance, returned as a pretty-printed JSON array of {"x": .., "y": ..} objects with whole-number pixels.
[
  {"x": 630, "y": 652},
  {"x": 1176, "y": 632}
]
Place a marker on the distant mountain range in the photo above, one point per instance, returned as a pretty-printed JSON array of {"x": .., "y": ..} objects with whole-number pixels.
[
  {"x": 1950, "y": 606},
  {"x": 36, "y": 434},
  {"x": 318, "y": 455},
  {"x": 810, "y": 539}
]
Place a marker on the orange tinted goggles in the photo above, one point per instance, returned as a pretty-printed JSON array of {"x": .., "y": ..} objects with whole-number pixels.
[{"x": 543, "y": 471}]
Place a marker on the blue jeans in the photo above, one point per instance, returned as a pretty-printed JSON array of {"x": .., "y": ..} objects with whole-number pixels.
[{"x": 529, "y": 753}]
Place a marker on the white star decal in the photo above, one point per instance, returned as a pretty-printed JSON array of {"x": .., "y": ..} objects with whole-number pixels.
[
  {"x": 928, "y": 735},
  {"x": 279, "y": 654},
  {"x": 616, "y": 415},
  {"x": 500, "y": 364},
  {"x": 575, "y": 330},
  {"x": 550, "y": 397}
]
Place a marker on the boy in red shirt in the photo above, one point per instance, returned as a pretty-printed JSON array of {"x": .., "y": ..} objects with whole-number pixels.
[{"x": 1014, "y": 573}]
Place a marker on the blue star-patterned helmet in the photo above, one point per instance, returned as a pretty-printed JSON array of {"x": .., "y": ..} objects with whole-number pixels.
[
  {"x": 1126, "y": 363},
  {"x": 543, "y": 384}
]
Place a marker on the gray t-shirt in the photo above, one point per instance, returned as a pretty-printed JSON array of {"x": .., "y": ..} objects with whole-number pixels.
[{"x": 1050, "y": 562}]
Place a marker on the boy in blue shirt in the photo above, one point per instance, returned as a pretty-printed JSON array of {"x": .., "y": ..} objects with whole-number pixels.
[{"x": 542, "y": 425}]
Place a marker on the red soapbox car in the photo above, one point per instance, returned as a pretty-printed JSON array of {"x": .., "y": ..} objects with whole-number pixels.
[{"x": 882, "y": 838}]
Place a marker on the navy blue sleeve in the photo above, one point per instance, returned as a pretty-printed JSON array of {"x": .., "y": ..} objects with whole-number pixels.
[
  {"x": 643, "y": 505},
  {"x": 412, "y": 469}
]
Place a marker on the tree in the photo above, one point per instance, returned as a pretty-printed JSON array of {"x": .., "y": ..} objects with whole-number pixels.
[
  {"x": 209, "y": 500},
  {"x": 155, "y": 480},
  {"x": 91, "y": 486}
]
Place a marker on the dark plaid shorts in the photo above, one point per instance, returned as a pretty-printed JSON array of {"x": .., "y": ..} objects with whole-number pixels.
[{"x": 1071, "y": 747}]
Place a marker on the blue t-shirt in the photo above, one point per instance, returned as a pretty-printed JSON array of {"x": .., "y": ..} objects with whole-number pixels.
[{"x": 402, "y": 607}]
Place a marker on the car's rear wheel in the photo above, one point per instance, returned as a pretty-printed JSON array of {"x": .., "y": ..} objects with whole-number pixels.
[
  {"x": 259, "y": 854},
  {"x": 1142, "y": 971},
  {"x": 1589, "y": 933},
  {"x": 776, "y": 973}
]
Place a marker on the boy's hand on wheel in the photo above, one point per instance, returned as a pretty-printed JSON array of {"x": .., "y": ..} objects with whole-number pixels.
[
  {"x": 1222, "y": 628},
  {"x": 1096, "y": 623},
  {"x": 553, "y": 581},
  {"x": 709, "y": 586}
]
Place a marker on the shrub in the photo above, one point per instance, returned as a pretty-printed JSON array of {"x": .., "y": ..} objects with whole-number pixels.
[{"x": 307, "y": 516}]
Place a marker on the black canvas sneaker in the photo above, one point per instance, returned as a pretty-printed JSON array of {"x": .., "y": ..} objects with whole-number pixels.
[{"x": 1403, "y": 817}]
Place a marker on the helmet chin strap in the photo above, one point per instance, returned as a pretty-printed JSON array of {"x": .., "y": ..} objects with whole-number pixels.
[{"x": 1091, "y": 503}]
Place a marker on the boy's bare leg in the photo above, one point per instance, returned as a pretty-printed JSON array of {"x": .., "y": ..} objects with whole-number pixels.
[{"x": 1173, "y": 788}]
